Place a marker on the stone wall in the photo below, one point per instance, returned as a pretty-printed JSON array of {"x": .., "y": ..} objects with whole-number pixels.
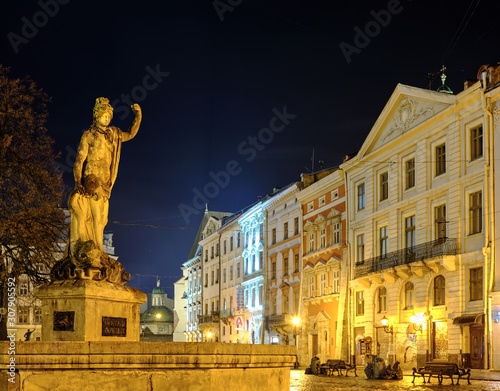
[{"x": 148, "y": 366}]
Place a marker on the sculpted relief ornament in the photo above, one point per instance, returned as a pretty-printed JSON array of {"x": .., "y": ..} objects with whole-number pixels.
[
  {"x": 406, "y": 115},
  {"x": 88, "y": 203}
]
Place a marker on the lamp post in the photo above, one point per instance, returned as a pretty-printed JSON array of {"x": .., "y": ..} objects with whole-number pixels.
[
  {"x": 296, "y": 323},
  {"x": 417, "y": 322},
  {"x": 387, "y": 329}
]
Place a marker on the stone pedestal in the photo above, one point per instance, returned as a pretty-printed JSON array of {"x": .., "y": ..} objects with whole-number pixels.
[{"x": 89, "y": 310}]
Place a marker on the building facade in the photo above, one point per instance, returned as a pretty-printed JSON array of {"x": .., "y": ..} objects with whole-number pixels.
[
  {"x": 324, "y": 265},
  {"x": 418, "y": 231},
  {"x": 284, "y": 226}
]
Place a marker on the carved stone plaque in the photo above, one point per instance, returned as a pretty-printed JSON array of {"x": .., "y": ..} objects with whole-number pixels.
[
  {"x": 114, "y": 327},
  {"x": 64, "y": 321}
]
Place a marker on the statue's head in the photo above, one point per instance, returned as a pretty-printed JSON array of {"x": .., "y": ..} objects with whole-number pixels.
[{"x": 101, "y": 108}]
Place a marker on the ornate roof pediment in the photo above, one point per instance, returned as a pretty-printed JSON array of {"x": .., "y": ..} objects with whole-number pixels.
[{"x": 334, "y": 213}]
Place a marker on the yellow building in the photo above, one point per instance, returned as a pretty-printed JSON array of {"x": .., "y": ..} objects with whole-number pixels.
[{"x": 420, "y": 212}]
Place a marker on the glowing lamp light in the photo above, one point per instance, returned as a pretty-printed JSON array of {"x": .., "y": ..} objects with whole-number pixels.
[
  {"x": 413, "y": 318},
  {"x": 209, "y": 335},
  {"x": 384, "y": 321},
  {"x": 296, "y": 321},
  {"x": 387, "y": 329},
  {"x": 158, "y": 316}
]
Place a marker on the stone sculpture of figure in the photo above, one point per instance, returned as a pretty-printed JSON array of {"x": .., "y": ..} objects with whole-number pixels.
[
  {"x": 88, "y": 204},
  {"x": 27, "y": 335}
]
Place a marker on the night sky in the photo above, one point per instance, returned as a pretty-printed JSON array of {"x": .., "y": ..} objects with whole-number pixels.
[{"x": 210, "y": 76}]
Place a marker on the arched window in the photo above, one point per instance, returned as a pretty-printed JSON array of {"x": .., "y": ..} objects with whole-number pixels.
[
  {"x": 382, "y": 299},
  {"x": 409, "y": 293},
  {"x": 439, "y": 290}
]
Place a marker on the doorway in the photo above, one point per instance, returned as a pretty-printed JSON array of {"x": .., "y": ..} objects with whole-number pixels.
[
  {"x": 440, "y": 341},
  {"x": 477, "y": 346}
]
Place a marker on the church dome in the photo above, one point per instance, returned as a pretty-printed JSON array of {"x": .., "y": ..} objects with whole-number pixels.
[
  {"x": 157, "y": 313},
  {"x": 158, "y": 290}
]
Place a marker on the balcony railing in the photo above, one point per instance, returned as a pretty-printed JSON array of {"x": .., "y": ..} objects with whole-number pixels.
[
  {"x": 226, "y": 313},
  {"x": 421, "y": 252},
  {"x": 212, "y": 318},
  {"x": 279, "y": 320}
]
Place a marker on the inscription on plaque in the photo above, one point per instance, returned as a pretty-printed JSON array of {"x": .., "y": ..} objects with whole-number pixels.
[
  {"x": 114, "y": 327},
  {"x": 64, "y": 321}
]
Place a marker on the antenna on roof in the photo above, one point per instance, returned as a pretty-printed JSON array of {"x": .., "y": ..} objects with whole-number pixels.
[{"x": 206, "y": 208}]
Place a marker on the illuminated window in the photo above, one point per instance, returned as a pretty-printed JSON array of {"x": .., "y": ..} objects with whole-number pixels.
[
  {"x": 409, "y": 291},
  {"x": 360, "y": 243},
  {"x": 23, "y": 315},
  {"x": 311, "y": 242},
  {"x": 410, "y": 232},
  {"x": 322, "y": 237},
  {"x": 336, "y": 233}
]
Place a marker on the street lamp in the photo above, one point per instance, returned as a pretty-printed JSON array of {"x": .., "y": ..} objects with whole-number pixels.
[
  {"x": 209, "y": 335},
  {"x": 387, "y": 329},
  {"x": 417, "y": 322},
  {"x": 296, "y": 323}
]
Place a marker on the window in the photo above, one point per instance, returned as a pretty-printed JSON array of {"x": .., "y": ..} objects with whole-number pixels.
[
  {"x": 261, "y": 294},
  {"x": 296, "y": 302},
  {"x": 285, "y": 231},
  {"x": 231, "y": 242},
  {"x": 409, "y": 292},
  {"x": 382, "y": 299},
  {"x": 238, "y": 239},
  {"x": 322, "y": 284},
  {"x": 261, "y": 260},
  {"x": 336, "y": 281},
  {"x": 476, "y": 283},
  {"x": 360, "y": 303},
  {"x": 285, "y": 266},
  {"x": 410, "y": 233},
  {"x": 475, "y": 213},
  {"x": 322, "y": 201},
  {"x": 335, "y": 194},
  {"x": 253, "y": 297},
  {"x": 261, "y": 231},
  {"x": 38, "y": 315},
  {"x": 440, "y": 221},
  {"x": 23, "y": 315},
  {"x": 311, "y": 286},
  {"x": 273, "y": 236},
  {"x": 231, "y": 272},
  {"x": 440, "y": 159},
  {"x": 361, "y": 196},
  {"x": 224, "y": 276},
  {"x": 273, "y": 304},
  {"x": 212, "y": 253},
  {"x": 476, "y": 143},
  {"x": 296, "y": 263},
  {"x": 360, "y": 245},
  {"x": 237, "y": 270},
  {"x": 336, "y": 233},
  {"x": 23, "y": 289},
  {"x": 439, "y": 290},
  {"x": 273, "y": 270},
  {"x": 206, "y": 280},
  {"x": 384, "y": 186},
  {"x": 225, "y": 247},
  {"x": 213, "y": 278},
  {"x": 206, "y": 308},
  {"x": 231, "y": 305},
  {"x": 384, "y": 242},
  {"x": 285, "y": 303},
  {"x": 296, "y": 226},
  {"x": 311, "y": 242},
  {"x": 206, "y": 255},
  {"x": 310, "y": 206},
  {"x": 322, "y": 238},
  {"x": 409, "y": 173}
]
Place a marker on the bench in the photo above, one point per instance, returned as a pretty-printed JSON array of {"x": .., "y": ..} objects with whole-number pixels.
[
  {"x": 440, "y": 370},
  {"x": 336, "y": 365}
]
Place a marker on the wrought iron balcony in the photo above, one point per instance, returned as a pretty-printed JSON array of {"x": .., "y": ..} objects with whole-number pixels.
[
  {"x": 226, "y": 313},
  {"x": 212, "y": 318},
  {"x": 279, "y": 320},
  {"x": 421, "y": 252}
]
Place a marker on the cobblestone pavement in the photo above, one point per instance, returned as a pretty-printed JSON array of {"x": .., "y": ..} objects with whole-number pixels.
[{"x": 299, "y": 381}]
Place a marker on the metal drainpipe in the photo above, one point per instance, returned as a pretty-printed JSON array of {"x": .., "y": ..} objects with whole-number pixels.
[{"x": 487, "y": 249}]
